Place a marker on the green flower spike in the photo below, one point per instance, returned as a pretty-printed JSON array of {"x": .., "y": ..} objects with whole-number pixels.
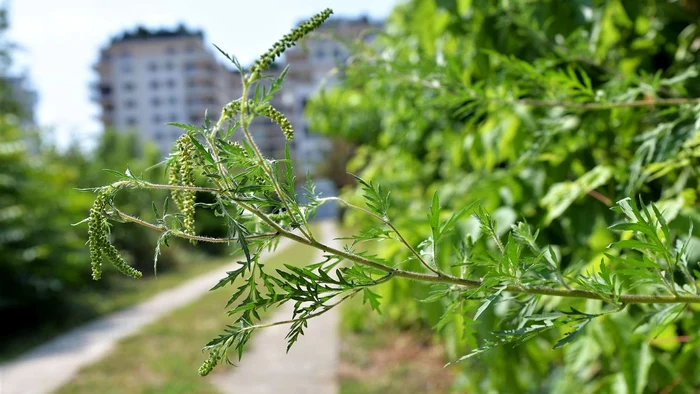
[
  {"x": 209, "y": 364},
  {"x": 186, "y": 163},
  {"x": 288, "y": 41},
  {"x": 277, "y": 117},
  {"x": 97, "y": 233}
]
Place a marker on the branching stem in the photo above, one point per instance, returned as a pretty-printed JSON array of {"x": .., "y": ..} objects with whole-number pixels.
[{"x": 393, "y": 228}]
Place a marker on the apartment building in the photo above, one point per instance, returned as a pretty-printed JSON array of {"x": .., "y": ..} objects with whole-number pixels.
[{"x": 147, "y": 78}]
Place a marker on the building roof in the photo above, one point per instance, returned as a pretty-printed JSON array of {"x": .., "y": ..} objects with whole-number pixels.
[{"x": 142, "y": 33}]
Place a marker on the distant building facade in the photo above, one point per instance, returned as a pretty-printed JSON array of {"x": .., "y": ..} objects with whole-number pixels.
[{"x": 149, "y": 78}]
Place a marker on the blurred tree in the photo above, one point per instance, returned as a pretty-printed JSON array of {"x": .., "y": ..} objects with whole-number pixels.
[{"x": 44, "y": 264}]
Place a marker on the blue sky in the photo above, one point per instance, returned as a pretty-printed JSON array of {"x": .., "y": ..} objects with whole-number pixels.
[{"x": 60, "y": 41}]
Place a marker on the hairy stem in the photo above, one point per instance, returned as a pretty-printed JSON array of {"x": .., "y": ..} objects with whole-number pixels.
[{"x": 261, "y": 159}]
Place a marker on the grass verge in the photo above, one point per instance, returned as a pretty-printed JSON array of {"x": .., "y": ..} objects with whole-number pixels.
[
  {"x": 164, "y": 357},
  {"x": 122, "y": 292}
]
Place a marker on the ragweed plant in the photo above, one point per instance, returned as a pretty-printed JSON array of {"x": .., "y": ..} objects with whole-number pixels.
[{"x": 256, "y": 199}]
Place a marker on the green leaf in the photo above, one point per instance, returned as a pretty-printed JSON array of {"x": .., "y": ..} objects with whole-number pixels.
[
  {"x": 372, "y": 298},
  {"x": 634, "y": 244},
  {"x": 571, "y": 335},
  {"x": 202, "y": 151},
  {"x": 642, "y": 366}
]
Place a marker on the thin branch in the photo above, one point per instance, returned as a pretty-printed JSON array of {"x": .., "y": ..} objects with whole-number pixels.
[
  {"x": 163, "y": 229},
  {"x": 393, "y": 228},
  {"x": 438, "y": 278},
  {"x": 603, "y": 106},
  {"x": 165, "y": 187},
  {"x": 475, "y": 284},
  {"x": 600, "y": 197}
]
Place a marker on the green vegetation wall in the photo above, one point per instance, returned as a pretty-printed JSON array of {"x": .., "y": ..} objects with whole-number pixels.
[{"x": 548, "y": 111}]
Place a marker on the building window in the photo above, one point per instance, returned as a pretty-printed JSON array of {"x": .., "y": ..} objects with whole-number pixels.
[
  {"x": 131, "y": 121},
  {"x": 173, "y": 117},
  {"x": 105, "y": 90},
  {"x": 194, "y": 119},
  {"x": 128, "y": 86},
  {"x": 152, "y": 66},
  {"x": 155, "y": 101},
  {"x": 125, "y": 55},
  {"x": 159, "y": 136},
  {"x": 190, "y": 66},
  {"x": 157, "y": 119},
  {"x": 172, "y": 100},
  {"x": 320, "y": 54},
  {"x": 169, "y": 66},
  {"x": 190, "y": 48},
  {"x": 154, "y": 85},
  {"x": 170, "y": 50},
  {"x": 130, "y": 103},
  {"x": 171, "y": 83},
  {"x": 126, "y": 68}
]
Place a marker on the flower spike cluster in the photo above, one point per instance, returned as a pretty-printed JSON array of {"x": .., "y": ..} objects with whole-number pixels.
[
  {"x": 277, "y": 117},
  {"x": 209, "y": 364},
  {"x": 99, "y": 245},
  {"x": 289, "y": 40},
  {"x": 266, "y": 110},
  {"x": 185, "y": 199}
]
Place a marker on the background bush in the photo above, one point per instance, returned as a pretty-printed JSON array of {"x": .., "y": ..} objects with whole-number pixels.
[{"x": 508, "y": 103}]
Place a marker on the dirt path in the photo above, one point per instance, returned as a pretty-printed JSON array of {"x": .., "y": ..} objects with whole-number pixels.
[
  {"x": 311, "y": 365},
  {"x": 49, "y": 366}
]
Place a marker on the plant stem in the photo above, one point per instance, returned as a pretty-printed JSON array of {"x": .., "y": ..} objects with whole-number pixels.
[
  {"x": 163, "y": 229},
  {"x": 261, "y": 159},
  {"x": 475, "y": 284},
  {"x": 393, "y": 228},
  {"x": 149, "y": 185},
  {"x": 611, "y": 105}
]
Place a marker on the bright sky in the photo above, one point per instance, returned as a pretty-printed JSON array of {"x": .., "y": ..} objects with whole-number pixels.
[{"x": 61, "y": 41}]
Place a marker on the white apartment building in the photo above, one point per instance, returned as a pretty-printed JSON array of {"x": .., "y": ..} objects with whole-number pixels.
[{"x": 148, "y": 78}]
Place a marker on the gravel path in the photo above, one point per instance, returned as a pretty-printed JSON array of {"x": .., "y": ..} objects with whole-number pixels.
[
  {"x": 49, "y": 366},
  {"x": 311, "y": 365}
]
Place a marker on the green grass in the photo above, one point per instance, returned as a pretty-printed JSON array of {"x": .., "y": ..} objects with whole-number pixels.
[
  {"x": 121, "y": 293},
  {"x": 165, "y": 356}
]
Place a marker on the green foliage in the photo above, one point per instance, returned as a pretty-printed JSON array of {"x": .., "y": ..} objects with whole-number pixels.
[
  {"x": 485, "y": 112},
  {"x": 551, "y": 113}
]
